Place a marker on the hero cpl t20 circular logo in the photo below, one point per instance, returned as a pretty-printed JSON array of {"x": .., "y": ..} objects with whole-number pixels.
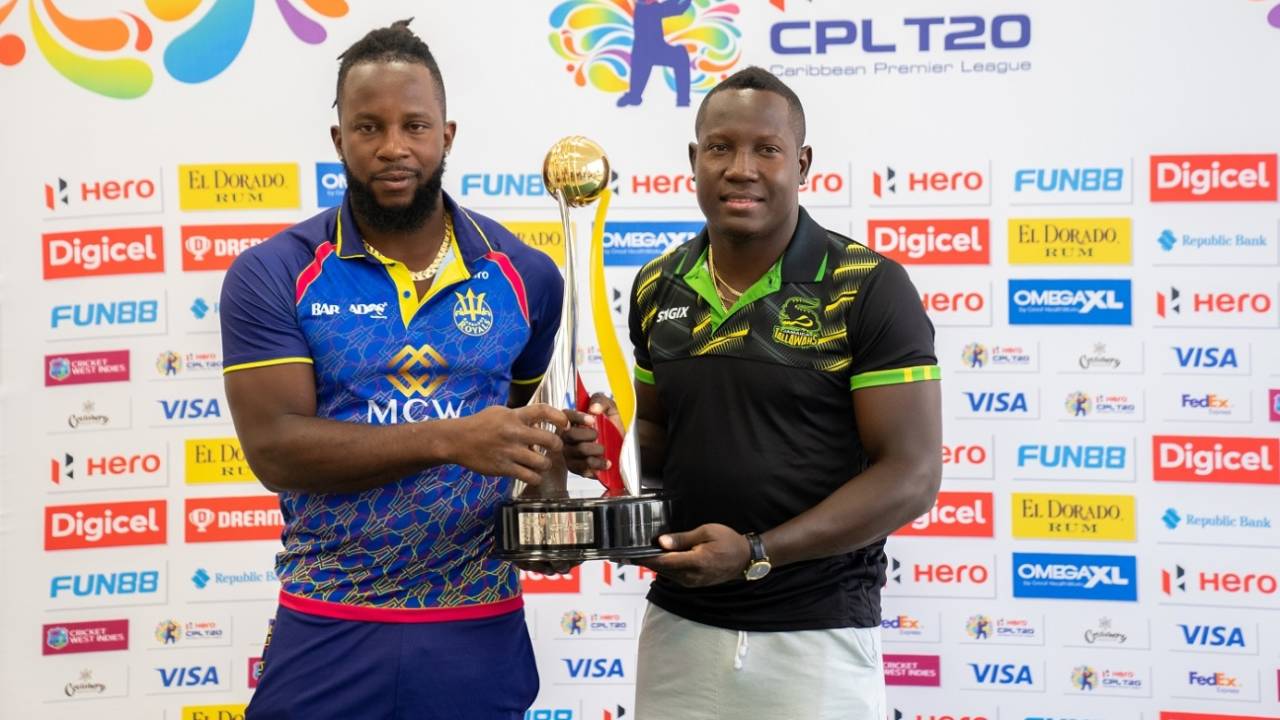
[
  {"x": 113, "y": 64},
  {"x": 614, "y": 45}
]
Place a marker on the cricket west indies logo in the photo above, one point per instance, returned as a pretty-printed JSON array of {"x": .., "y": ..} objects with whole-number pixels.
[
  {"x": 615, "y": 46},
  {"x": 209, "y": 41}
]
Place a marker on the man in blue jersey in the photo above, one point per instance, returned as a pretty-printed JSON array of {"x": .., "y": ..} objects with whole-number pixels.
[{"x": 378, "y": 360}]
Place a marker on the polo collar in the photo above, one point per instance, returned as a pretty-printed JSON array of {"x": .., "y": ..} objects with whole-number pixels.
[{"x": 804, "y": 260}]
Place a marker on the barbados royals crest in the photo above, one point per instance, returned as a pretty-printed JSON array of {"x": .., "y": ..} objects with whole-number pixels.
[{"x": 471, "y": 314}]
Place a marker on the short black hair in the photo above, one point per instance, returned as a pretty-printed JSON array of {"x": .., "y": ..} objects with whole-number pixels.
[
  {"x": 757, "y": 78},
  {"x": 394, "y": 43}
]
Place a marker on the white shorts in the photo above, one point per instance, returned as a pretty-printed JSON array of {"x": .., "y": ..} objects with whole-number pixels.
[{"x": 691, "y": 671}]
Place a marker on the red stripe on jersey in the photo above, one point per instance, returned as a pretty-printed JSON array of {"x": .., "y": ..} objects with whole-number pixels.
[
  {"x": 513, "y": 276},
  {"x": 312, "y": 271}
]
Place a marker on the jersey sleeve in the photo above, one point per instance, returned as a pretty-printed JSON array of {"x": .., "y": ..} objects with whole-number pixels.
[
  {"x": 545, "y": 292},
  {"x": 890, "y": 334},
  {"x": 643, "y": 297},
  {"x": 259, "y": 319}
]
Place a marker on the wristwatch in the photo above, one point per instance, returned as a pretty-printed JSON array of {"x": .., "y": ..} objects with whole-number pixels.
[{"x": 759, "y": 565}]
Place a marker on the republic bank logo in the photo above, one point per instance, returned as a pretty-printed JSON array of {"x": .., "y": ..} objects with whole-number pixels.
[
  {"x": 417, "y": 371},
  {"x": 614, "y": 47}
]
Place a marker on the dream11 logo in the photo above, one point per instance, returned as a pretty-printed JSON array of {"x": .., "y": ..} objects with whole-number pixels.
[{"x": 615, "y": 48}]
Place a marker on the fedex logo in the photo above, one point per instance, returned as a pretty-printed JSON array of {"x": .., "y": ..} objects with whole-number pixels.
[{"x": 1213, "y": 178}]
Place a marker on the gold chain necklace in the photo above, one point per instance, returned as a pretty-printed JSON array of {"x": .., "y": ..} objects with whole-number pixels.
[
  {"x": 429, "y": 271},
  {"x": 719, "y": 282}
]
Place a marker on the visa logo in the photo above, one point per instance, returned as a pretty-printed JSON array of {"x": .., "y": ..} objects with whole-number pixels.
[
  {"x": 193, "y": 409},
  {"x": 995, "y": 674},
  {"x": 1212, "y": 635},
  {"x": 594, "y": 667},
  {"x": 997, "y": 402},
  {"x": 1206, "y": 357},
  {"x": 188, "y": 676}
]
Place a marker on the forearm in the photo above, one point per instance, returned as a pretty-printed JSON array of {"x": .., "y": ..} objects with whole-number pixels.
[
  {"x": 652, "y": 439},
  {"x": 883, "y": 498},
  {"x": 307, "y": 454}
]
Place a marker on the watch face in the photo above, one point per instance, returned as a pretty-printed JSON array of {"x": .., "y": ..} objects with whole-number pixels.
[{"x": 758, "y": 569}]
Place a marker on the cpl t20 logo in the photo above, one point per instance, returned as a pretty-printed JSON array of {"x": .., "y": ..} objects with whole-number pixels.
[
  {"x": 572, "y": 622},
  {"x": 1084, "y": 677},
  {"x": 113, "y": 64},
  {"x": 978, "y": 627},
  {"x": 615, "y": 44},
  {"x": 471, "y": 314},
  {"x": 1078, "y": 404},
  {"x": 974, "y": 355}
]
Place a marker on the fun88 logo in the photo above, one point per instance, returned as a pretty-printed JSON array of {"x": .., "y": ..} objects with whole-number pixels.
[{"x": 331, "y": 184}]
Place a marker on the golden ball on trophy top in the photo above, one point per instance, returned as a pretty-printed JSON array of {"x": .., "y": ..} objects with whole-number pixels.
[{"x": 577, "y": 170}]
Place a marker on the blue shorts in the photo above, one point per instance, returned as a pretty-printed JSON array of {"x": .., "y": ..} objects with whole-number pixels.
[{"x": 318, "y": 668}]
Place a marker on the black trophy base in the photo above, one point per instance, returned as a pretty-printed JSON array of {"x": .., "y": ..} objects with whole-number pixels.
[{"x": 580, "y": 528}]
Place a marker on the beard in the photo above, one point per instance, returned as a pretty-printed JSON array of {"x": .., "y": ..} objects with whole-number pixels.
[{"x": 383, "y": 219}]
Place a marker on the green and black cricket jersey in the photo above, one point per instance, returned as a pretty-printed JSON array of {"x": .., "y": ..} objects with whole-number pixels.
[{"x": 759, "y": 410}]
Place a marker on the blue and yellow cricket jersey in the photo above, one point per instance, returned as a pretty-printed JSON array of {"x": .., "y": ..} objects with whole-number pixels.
[{"x": 415, "y": 549}]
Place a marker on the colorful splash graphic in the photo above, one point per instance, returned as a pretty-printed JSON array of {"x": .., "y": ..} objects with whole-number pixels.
[
  {"x": 1273, "y": 15},
  {"x": 199, "y": 52},
  {"x": 598, "y": 39}
]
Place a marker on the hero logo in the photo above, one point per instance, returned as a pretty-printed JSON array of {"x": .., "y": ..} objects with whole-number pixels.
[
  {"x": 118, "y": 251},
  {"x": 193, "y": 676},
  {"x": 103, "y": 466},
  {"x": 932, "y": 242},
  {"x": 941, "y": 573},
  {"x": 1189, "y": 458},
  {"x": 818, "y": 183},
  {"x": 1170, "y": 304},
  {"x": 1001, "y": 674},
  {"x": 896, "y": 185},
  {"x": 967, "y": 459},
  {"x": 1213, "y": 178},
  {"x": 190, "y": 409},
  {"x": 678, "y": 313},
  {"x": 129, "y": 582},
  {"x": 594, "y": 668},
  {"x": 954, "y": 514},
  {"x": 954, "y": 302},
  {"x": 920, "y": 34},
  {"x": 98, "y": 193},
  {"x": 1226, "y": 583}
]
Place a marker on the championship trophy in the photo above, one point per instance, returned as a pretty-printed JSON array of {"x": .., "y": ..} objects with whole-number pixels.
[{"x": 553, "y": 521}]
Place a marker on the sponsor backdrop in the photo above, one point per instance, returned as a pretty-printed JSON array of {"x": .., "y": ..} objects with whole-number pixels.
[{"x": 1084, "y": 193}]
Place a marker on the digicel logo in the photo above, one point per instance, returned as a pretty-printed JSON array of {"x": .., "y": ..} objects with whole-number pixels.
[
  {"x": 254, "y": 517},
  {"x": 955, "y": 514},
  {"x": 932, "y": 242},
  {"x": 215, "y": 247},
  {"x": 70, "y": 527},
  {"x": 532, "y": 582},
  {"x": 118, "y": 251},
  {"x": 1213, "y": 178},
  {"x": 1189, "y": 458}
]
